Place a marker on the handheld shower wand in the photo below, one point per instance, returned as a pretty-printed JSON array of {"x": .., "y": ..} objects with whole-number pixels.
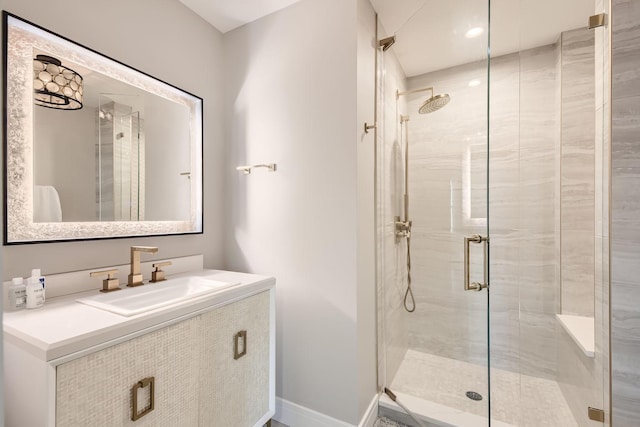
[{"x": 403, "y": 227}]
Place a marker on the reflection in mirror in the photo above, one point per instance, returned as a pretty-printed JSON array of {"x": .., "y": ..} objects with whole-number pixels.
[{"x": 95, "y": 149}]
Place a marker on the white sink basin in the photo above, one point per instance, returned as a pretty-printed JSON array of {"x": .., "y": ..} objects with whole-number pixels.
[{"x": 132, "y": 301}]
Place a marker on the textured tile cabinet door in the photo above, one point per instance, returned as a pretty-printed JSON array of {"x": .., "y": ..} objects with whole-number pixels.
[
  {"x": 235, "y": 392},
  {"x": 95, "y": 390}
]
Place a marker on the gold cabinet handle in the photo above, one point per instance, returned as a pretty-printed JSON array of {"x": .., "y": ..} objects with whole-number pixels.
[
  {"x": 146, "y": 382},
  {"x": 240, "y": 336}
]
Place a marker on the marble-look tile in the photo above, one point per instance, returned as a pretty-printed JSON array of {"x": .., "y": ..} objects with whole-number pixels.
[
  {"x": 538, "y": 346},
  {"x": 626, "y": 73},
  {"x": 625, "y": 225},
  {"x": 525, "y": 204},
  {"x": 626, "y": 26},
  {"x": 625, "y": 199},
  {"x": 441, "y": 155},
  {"x": 625, "y": 214},
  {"x": 577, "y": 273},
  {"x": 577, "y": 186},
  {"x": 538, "y": 90},
  {"x": 392, "y": 328},
  {"x": 624, "y": 256},
  {"x": 625, "y": 123},
  {"x": 580, "y": 378},
  {"x": 625, "y": 348}
]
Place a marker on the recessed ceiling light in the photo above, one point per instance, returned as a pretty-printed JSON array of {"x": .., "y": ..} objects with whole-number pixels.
[
  {"x": 474, "y": 32},
  {"x": 474, "y": 83}
]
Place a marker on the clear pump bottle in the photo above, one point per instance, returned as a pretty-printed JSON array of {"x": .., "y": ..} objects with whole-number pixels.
[{"x": 17, "y": 294}]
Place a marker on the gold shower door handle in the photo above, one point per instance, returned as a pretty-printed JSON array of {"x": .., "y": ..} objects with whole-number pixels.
[{"x": 475, "y": 286}]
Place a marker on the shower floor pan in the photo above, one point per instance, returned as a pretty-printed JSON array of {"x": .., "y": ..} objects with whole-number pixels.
[{"x": 435, "y": 388}]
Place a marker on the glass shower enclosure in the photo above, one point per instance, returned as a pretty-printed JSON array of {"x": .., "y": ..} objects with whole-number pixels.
[{"x": 492, "y": 193}]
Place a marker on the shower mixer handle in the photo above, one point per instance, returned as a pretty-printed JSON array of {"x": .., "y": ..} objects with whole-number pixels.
[{"x": 475, "y": 286}]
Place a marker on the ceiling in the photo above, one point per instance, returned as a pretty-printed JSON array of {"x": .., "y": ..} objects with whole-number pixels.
[
  {"x": 430, "y": 34},
  {"x": 226, "y": 15}
]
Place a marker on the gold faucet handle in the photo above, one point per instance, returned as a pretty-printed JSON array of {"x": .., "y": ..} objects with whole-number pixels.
[
  {"x": 111, "y": 283},
  {"x": 157, "y": 275}
]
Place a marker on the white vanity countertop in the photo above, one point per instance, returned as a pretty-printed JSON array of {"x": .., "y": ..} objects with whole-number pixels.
[{"x": 63, "y": 326}]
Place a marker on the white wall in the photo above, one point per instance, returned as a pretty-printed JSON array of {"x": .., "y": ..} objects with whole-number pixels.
[
  {"x": 162, "y": 38},
  {"x": 291, "y": 99}
]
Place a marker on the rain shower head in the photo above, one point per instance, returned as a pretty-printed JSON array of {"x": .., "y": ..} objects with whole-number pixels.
[
  {"x": 386, "y": 43},
  {"x": 434, "y": 103}
]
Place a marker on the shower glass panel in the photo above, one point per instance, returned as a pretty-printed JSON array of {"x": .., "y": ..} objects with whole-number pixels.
[
  {"x": 519, "y": 155},
  {"x": 432, "y": 190},
  {"x": 548, "y": 205}
]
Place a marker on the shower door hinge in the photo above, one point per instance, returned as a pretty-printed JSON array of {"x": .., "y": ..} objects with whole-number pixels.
[
  {"x": 596, "y": 414},
  {"x": 598, "y": 20}
]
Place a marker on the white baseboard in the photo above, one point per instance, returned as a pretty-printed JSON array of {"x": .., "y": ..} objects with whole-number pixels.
[
  {"x": 294, "y": 415},
  {"x": 370, "y": 417}
]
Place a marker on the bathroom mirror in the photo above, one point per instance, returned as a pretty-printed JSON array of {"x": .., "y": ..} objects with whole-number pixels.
[{"x": 93, "y": 148}]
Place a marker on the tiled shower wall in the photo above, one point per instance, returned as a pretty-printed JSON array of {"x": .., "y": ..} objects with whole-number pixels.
[
  {"x": 583, "y": 202},
  {"x": 625, "y": 213},
  {"x": 577, "y": 180},
  {"x": 625, "y": 228},
  {"x": 447, "y": 186},
  {"x": 393, "y": 321},
  {"x": 446, "y": 180}
]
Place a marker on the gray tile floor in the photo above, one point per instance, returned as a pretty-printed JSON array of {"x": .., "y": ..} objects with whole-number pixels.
[{"x": 514, "y": 396}]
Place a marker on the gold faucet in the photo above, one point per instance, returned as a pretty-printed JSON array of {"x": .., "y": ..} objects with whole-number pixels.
[{"x": 135, "y": 278}]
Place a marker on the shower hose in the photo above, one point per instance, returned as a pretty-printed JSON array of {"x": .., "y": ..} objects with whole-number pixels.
[{"x": 409, "y": 300}]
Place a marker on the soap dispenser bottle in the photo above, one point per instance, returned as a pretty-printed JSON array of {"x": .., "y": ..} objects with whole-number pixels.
[
  {"x": 17, "y": 294},
  {"x": 35, "y": 293},
  {"x": 36, "y": 274}
]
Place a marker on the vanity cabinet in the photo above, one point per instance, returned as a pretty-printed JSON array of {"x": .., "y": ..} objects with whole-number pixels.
[
  {"x": 96, "y": 389},
  {"x": 211, "y": 368},
  {"x": 233, "y": 386}
]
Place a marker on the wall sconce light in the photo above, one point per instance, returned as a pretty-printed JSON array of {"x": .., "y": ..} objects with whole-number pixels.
[{"x": 56, "y": 86}]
